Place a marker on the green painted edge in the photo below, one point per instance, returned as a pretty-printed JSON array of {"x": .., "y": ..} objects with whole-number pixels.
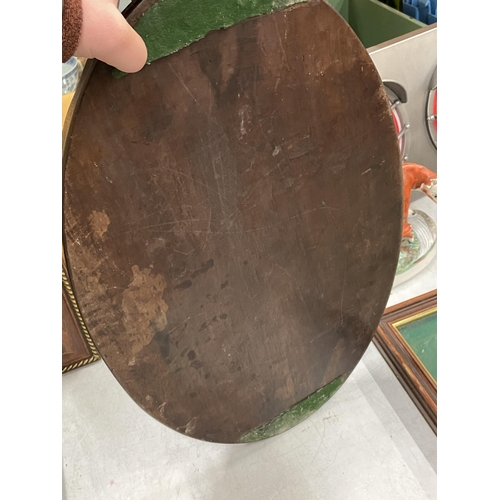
[
  {"x": 295, "y": 414},
  {"x": 170, "y": 25}
]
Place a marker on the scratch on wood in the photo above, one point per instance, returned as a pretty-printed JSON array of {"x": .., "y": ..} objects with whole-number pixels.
[
  {"x": 281, "y": 44},
  {"x": 179, "y": 325},
  {"x": 206, "y": 186},
  {"x": 182, "y": 83}
]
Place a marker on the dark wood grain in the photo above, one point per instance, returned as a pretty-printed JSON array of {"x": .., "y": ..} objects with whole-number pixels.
[
  {"x": 421, "y": 387},
  {"x": 232, "y": 217}
]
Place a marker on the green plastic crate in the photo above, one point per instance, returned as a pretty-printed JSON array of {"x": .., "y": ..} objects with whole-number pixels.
[{"x": 375, "y": 22}]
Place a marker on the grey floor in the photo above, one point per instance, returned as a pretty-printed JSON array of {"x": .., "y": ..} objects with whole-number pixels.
[{"x": 369, "y": 442}]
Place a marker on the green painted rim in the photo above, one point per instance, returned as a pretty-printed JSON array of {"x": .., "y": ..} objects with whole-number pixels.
[
  {"x": 170, "y": 25},
  {"x": 295, "y": 414}
]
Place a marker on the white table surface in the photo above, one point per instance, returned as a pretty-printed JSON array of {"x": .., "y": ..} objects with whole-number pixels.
[{"x": 369, "y": 442}]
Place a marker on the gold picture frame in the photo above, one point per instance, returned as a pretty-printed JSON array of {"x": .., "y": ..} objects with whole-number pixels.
[
  {"x": 407, "y": 365},
  {"x": 78, "y": 348}
]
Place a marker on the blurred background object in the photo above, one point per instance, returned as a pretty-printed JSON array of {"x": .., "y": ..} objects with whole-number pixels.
[
  {"x": 424, "y": 11},
  {"x": 71, "y": 72}
]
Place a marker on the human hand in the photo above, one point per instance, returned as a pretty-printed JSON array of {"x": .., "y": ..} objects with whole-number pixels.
[{"x": 107, "y": 36}]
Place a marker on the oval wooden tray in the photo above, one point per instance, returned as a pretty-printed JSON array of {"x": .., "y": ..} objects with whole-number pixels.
[{"x": 232, "y": 221}]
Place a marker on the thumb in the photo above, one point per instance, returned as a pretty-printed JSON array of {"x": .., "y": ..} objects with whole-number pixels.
[{"x": 107, "y": 36}]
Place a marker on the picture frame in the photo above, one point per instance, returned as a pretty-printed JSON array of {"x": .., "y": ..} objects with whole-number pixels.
[
  {"x": 78, "y": 348},
  {"x": 407, "y": 339}
]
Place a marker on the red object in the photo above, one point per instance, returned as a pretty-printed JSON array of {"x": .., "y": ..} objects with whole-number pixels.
[
  {"x": 434, "y": 109},
  {"x": 397, "y": 124},
  {"x": 414, "y": 177}
]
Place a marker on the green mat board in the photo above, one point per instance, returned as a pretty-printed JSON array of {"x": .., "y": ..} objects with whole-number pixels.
[{"x": 421, "y": 336}]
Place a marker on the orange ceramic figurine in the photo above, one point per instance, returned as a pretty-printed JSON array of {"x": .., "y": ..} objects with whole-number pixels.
[{"x": 416, "y": 176}]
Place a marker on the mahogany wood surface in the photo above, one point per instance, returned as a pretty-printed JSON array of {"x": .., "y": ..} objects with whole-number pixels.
[{"x": 232, "y": 219}]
